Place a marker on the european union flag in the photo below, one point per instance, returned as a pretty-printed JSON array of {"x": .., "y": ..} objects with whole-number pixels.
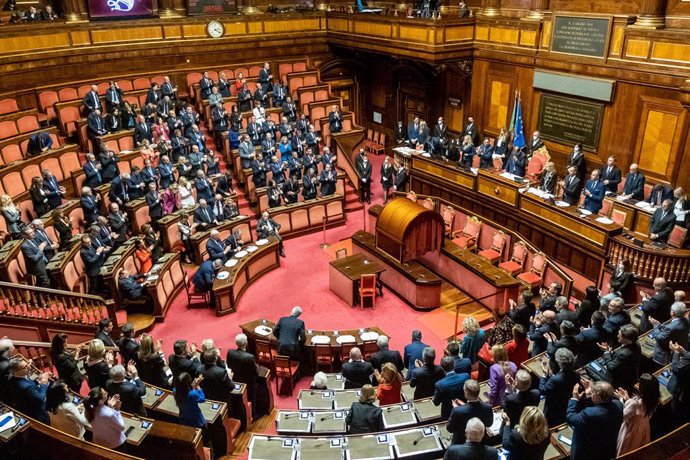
[{"x": 519, "y": 136}]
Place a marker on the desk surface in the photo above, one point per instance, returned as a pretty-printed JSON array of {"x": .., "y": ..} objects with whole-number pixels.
[
  {"x": 272, "y": 245},
  {"x": 357, "y": 265},
  {"x": 480, "y": 265}
]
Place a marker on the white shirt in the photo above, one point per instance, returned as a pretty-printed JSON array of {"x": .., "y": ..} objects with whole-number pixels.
[
  {"x": 69, "y": 419},
  {"x": 186, "y": 198}
]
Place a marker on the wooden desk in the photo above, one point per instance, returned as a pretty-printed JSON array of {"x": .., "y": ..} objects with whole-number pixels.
[
  {"x": 650, "y": 262},
  {"x": 248, "y": 269},
  {"x": 663, "y": 375},
  {"x": 164, "y": 283},
  {"x": 21, "y": 424},
  {"x": 344, "y": 276},
  {"x": 533, "y": 365},
  {"x": 499, "y": 187},
  {"x": 225, "y": 228}
]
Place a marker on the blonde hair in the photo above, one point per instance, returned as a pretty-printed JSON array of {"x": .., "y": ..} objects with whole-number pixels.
[
  {"x": 146, "y": 348},
  {"x": 96, "y": 350},
  {"x": 550, "y": 166},
  {"x": 367, "y": 394},
  {"x": 390, "y": 374},
  {"x": 470, "y": 326},
  {"x": 501, "y": 358},
  {"x": 6, "y": 201},
  {"x": 532, "y": 426}
]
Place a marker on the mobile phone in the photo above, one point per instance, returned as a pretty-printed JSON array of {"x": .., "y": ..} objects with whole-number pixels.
[
  {"x": 145, "y": 424},
  {"x": 215, "y": 406},
  {"x": 666, "y": 373},
  {"x": 158, "y": 392},
  {"x": 129, "y": 430},
  {"x": 595, "y": 366},
  {"x": 565, "y": 440}
]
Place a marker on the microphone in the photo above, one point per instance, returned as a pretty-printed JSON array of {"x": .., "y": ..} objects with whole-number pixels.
[
  {"x": 290, "y": 415},
  {"x": 327, "y": 416},
  {"x": 419, "y": 438}
]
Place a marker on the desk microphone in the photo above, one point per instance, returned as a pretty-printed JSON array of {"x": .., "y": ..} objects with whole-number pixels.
[
  {"x": 391, "y": 408},
  {"x": 416, "y": 441},
  {"x": 327, "y": 416},
  {"x": 287, "y": 416}
]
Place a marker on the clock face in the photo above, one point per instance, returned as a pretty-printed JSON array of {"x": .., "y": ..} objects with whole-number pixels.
[{"x": 215, "y": 29}]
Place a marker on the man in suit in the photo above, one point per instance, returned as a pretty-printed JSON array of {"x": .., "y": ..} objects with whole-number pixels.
[
  {"x": 473, "y": 448},
  {"x": 450, "y": 387},
  {"x": 92, "y": 170},
  {"x": 168, "y": 89},
  {"x": 217, "y": 383},
  {"x": 217, "y": 250},
  {"x": 540, "y": 328},
  {"x": 385, "y": 355},
  {"x": 618, "y": 317},
  {"x": 623, "y": 363},
  {"x": 657, "y": 306},
  {"x": 676, "y": 331},
  {"x": 517, "y": 162},
  {"x": 471, "y": 130},
  {"x": 118, "y": 224},
  {"x": 35, "y": 257},
  {"x": 634, "y": 184},
  {"x": 413, "y": 132},
  {"x": 130, "y": 390},
  {"x": 519, "y": 394},
  {"x": 535, "y": 143},
  {"x": 204, "y": 187},
  {"x": 153, "y": 95},
  {"x": 266, "y": 227},
  {"x": 131, "y": 288},
  {"x": 577, "y": 159},
  {"x": 204, "y": 217},
  {"x": 400, "y": 181},
  {"x": 521, "y": 313},
  {"x": 91, "y": 100},
  {"x": 244, "y": 367},
  {"x": 556, "y": 388},
  {"x": 413, "y": 352},
  {"x": 48, "y": 14},
  {"x": 246, "y": 152},
  {"x": 441, "y": 129},
  {"x": 53, "y": 189},
  {"x": 280, "y": 92},
  {"x": 549, "y": 296},
  {"x": 103, "y": 333},
  {"x": 113, "y": 97},
  {"x": 309, "y": 182},
  {"x": 662, "y": 222},
  {"x": 588, "y": 340},
  {"x": 571, "y": 187},
  {"x": 289, "y": 109},
  {"x": 595, "y": 420},
  {"x": 39, "y": 143},
  {"x": 335, "y": 121},
  {"x": 204, "y": 276},
  {"x": 563, "y": 313},
  {"x": 679, "y": 383},
  {"x": 356, "y": 371},
  {"x": 289, "y": 330},
  {"x": 90, "y": 205},
  {"x": 154, "y": 203},
  {"x": 165, "y": 172},
  {"x": 425, "y": 374},
  {"x": 265, "y": 77},
  {"x": 205, "y": 86},
  {"x": 611, "y": 175},
  {"x": 659, "y": 194},
  {"x": 400, "y": 133},
  {"x": 142, "y": 131},
  {"x": 93, "y": 259},
  {"x": 594, "y": 193},
  {"x": 460, "y": 365},
  {"x": 364, "y": 170},
  {"x": 464, "y": 411},
  {"x": 183, "y": 359},
  {"x": 25, "y": 395},
  {"x": 40, "y": 236}
]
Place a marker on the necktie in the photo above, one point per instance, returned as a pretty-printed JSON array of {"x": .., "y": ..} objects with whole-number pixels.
[
  {"x": 98, "y": 123},
  {"x": 608, "y": 171},
  {"x": 95, "y": 100},
  {"x": 115, "y": 97},
  {"x": 207, "y": 216}
]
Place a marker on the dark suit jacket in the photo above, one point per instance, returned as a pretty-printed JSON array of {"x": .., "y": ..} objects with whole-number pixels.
[
  {"x": 658, "y": 307},
  {"x": 67, "y": 369},
  {"x": 217, "y": 385},
  {"x": 580, "y": 163},
  {"x": 141, "y": 132},
  {"x": 587, "y": 341},
  {"x": 614, "y": 178},
  {"x": 571, "y": 189},
  {"x": 152, "y": 371},
  {"x": 131, "y": 392},
  {"x": 424, "y": 379},
  {"x": 28, "y": 397},
  {"x": 634, "y": 185},
  {"x": 216, "y": 250},
  {"x": 155, "y": 206},
  {"x": 384, "y": 356},
  {"x": 522, "y": 314},
  {"x": 412, "y": 352},
  {"x": 514, "y": 403},
  {"x": 676, "y": 331},
  {"x": 557, "y": 390},
  {"x": 90, "y": 208},
  {"x": 107, "y": 339},
  {"x": 623, "y": 365},
  {"x": 203, "y": 278},
  {"x": 290, "y": 334},
  {"x": 34, "y": 258},
  {"x": 660, "y": 193},
  {"x": 593, "y": 203},
  {"x": 595, "y": 428},
  {"x": 447, "y": 389},
  {"x": 98, "y": 374},
  {"x": 679, "y": 383},
  {"x": 244, "y": 370},
  {"x": 364, "y": 418},
  {"x": 357, "y": 374},
  {"x": 129, "y": 349},
  {"x": 662, "y": 225},
  {"x": 93, "y": 175},
  {"x": 180, "y": 364},
  {"x": 92, "y": 260},
  {"x": 461, "y": 414},
  {"x": 471, "y": 451}
]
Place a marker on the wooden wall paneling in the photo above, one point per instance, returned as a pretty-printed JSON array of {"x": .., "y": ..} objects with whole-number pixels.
[
  {"x": 599, "y": 6},
  {"x": 500, "y": 100},
  {"x": 659, "y": 136}
]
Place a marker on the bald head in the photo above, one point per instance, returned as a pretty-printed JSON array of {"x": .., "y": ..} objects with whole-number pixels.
[
  {"x": 549, "y": 316},
  {"x": 602, "y": 392},
  {"x": 356, "y": 354},
  {"x": 474, "y": 430}
]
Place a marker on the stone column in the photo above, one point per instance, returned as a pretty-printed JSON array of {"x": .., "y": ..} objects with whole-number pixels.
[
  {"x": 490, "y": 8},
  {"x": 537, "y": 9},
  {"x": 652, "y": 15},
  {"x": 75, "y": 10}
]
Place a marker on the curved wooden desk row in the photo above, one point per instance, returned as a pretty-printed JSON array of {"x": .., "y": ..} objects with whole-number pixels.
[
  {"x": 262, "y": 193},
  {"x": 308, "y": 216},
  {"x": 336, "y": 397},
  {"x": 238, "y": 277},
  {"x": 225, "y": 228}
]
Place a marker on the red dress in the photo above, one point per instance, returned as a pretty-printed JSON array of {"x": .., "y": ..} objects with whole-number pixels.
[
  {"x": 517, "y": 352},
  {"x": 144, "y": 258},
  {"x": 388, "y": 393}
]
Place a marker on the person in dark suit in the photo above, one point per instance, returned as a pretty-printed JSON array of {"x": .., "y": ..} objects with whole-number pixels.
[
  {"x": 662, "y": 222},
  {"x": 216, "y": 248},
  {"x": 113, "y": 97},
  {"x": 540, "y": 328},
  {"x": 679, "y": 383},
  {"x": 472, "y": 448},
  {"x": 450, "y": 387},
  {"x": 595, "y": 421},
  {"x": 594, "y": 192},
  {"x": 588, "y": 340},
  {"x": 118, "y": 224},
  {"x": 363, "y": 416},
  {"x": 623, "y": 364},
  {"x": 517, "y": 162},
  {"x": 413, "y": 352},
  {"x": 425, "y": 374},
  {"x": 25, "y": 395},
  {"x": 130, "y": 287},
  {"x": 530, "y": 439},
  {"x": 154, "y": 203},
  {"x": 577, "y": 159},
  {"x": 103, "y": 332},
  {"x": 618, "y": 317},
  {"x": 548, "y": 179},
  {"x": 676, "y": 331},
  {"x": 204, "y": 218},
  {"x": 356, "y": 371},
  {"x": 204, "y": 276},
  {"x": 35, "y": 257},
  {"x": 549, "y": 297},
  {"x": 244, "y": 367},
  {"x": 129, "y": 347},
  {"x": 413, "y": 132},
  {"x": 217, "y": 383},
  {"x": 400, "y": 182},
  {"x": 464, "y": 411},
  {"x": 205, "y": 85},
  {"x": 385, "y": 355},
  {"x": 624, "y": 276},
  {"x": 659, "y": 194},
  {"x": 266, "y": 227},
  {"x": 556, "y": 388},
  {"x": 289, "y": 330},
  {"x": 571, "y": 187},
  {"x": 611, "y": 175},
  {"x": 536, "y": 142},
  {"x": 309, "y": 182},
  {"x": 657, "y": 306},
  {"x": 335, "y": 122},
  {"x": 519, "y": 395},
  {"x": 130, "y": 390},
  {"x": 364, "y": 170},
  {"x": 90, "y": 206},
  {"x": 634, "y": 184},
  {"x": 65, "y": 362},
  {"x": 265, "y": 77},
  {"x": 53, "y": 189},
  {"x": 142, "y": 131},
  {"x": 471, "y": 130},
  {"x": 183, "y": 360},
  {"x": 400, "y": 133},
  {"x": 39, "y": 143},
  {"x": 522, "y": 313},
  {"x": 91, "y": 100},
  {"x": 92, "y": 170}
]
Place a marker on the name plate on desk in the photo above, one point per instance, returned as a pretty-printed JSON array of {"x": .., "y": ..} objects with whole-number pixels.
[
  {"x": 569, "y": 120},
  {"x": 369, "y": 447},
  {"x": 580, "y": 35}
]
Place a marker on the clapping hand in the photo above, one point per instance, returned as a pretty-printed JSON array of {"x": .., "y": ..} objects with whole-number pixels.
[
  {"x": 622, "y": 394},
  {"x": 458, "y": 403},
  {"x": 545, "y": 367},
  {"x": 604, "y": 346},
  {"x": 510, "y": 382},
  {"x": 654, "y": 321},
  {"x": 132, "y": 369},
  {"x": 577, "y": 394},
  {"x": 676, "y": 347},
  {"x": 418, "y": 363},
  {"x": 115, "y": 402},
  {"x": 197, "y": 381},
  {"x": 505, "y": 418},
  {"x": 550, "y": 337}
]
